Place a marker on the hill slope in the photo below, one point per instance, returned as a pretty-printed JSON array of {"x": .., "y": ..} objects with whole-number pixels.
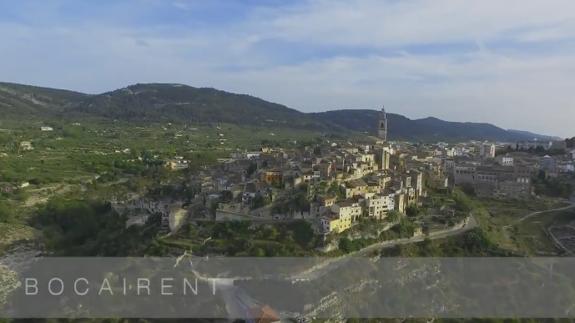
[
  {"x": 176, "y": 102},
  {"x": 18, "y": 100},
  {"x": 180, "y": 102}
]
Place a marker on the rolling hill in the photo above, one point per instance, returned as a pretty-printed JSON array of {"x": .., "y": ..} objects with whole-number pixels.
[
  {"x": 176, "y": 102},
  {"x": 18, "y": 100},
  {"x": 182, "y": 103}
]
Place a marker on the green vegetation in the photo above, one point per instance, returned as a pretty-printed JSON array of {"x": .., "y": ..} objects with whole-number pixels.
[
  {"x": 292, "y": 201},
  {"x": 403, "y": 229},
  {"x": 554, "y": 187},
  {"x": 505, "y": 224},
  {"x": 412, "y": 211},
  {"x": 99, "y": 147},
  {"x": 463, "y": 203},
  {"x": 98, "y": 159},
  {"x": 89, "y": 228},
  {"x": 474, "y": 243},
  {"x": 242, "y": 238},
  {"x": 5, "y": 212},
  {"x": 302, "y": 232}
]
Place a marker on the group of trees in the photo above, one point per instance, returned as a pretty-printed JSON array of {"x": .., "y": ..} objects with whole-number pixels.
[
  {"x": 293, "y": 201},
  {"x": 403, "y": 229},
  {"x": 242, "y": 238},
  {"x": 554, "y": 187},
  {"x": 90, "y": 228},
  {"x": 471, "y": 244},
  {"x": 412, "y": 211},
  {"x": 463, "y": 203},
  {"x": 347, "y": 245}
]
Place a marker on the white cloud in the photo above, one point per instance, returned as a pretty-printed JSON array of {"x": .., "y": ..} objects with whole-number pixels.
[
  {"x": 527, "y": 88},
  {"x": 396, "y": 23}
]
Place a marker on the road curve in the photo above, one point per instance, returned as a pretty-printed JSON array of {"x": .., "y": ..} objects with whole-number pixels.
[{"x": 546, "y": 211}]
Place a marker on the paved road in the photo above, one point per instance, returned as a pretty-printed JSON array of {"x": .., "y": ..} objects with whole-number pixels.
[
  {"x": 469, "y": 224},
  {"x": 238, "y": 302},
  {"x": 332, "y": 263}
]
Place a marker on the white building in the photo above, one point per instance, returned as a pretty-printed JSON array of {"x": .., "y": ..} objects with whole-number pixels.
[
  {"x": 566, "y": 167},
  {"x": 380, "y": 205},
  {"x": 526, "y": 145},
  {"x": 487, "y": 151},
  {"x": 347, "y": 210},
  {"x": 505, "y": 160},
  {"x": 45, "y": 128}
]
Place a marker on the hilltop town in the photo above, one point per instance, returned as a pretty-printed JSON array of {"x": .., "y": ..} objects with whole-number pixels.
[
  {"x": 347, "y": 190},
  {"x": 84, "y": 188}
]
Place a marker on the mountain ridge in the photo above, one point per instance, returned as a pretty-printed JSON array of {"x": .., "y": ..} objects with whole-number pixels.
[{"x": 180, "y": 102}]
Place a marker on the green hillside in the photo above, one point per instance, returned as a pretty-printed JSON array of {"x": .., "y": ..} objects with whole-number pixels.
[
  {"x": 204, "y": 106},
  {"x": 21, "y": 101}
]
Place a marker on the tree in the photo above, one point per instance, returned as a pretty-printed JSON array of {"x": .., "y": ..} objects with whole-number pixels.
[
  {"x": 302, "y": 232},
  {"x": 91, "y": 228},
  {"x": 251, "y": 169},
  {"x": 412, "y": 211},
  {"x": 336, "y": 190},
  {"x": 468, "y": 189},
  {"x": 393, "y": 216},
  {"x": 462, "y": 202},
  {"x": 345, "y": 245},
  {"x": 405, "y": 228},
  {"x": 227, "y": 196},
  {"x": 257, "y": 202}
]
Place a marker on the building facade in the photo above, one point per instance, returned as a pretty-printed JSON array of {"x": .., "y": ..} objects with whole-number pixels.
[{"x": 379, "y": 206}]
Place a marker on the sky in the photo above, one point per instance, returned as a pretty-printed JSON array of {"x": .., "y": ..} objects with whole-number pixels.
[{"x": 510, "y": 63}]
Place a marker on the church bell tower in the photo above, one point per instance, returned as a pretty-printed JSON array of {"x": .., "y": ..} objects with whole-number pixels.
[{"x": 382, "y": 125}]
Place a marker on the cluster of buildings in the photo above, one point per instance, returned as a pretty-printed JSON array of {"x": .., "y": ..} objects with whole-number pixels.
[
  {"x": 507, "y": 175},
  {"x": 342, "y": 182},
  {"x": 334, "y": 184}
]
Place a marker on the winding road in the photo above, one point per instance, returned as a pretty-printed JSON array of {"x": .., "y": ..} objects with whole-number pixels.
[
  {"x": 572, "y": 201},
  {"x": 332, "y": 263}
]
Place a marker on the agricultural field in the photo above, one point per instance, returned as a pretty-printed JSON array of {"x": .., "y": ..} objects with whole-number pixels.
[
  {"x": 77, "y": 151},
  {"x": 518, "y": 226},
  {"x": 100, "y": 159}
]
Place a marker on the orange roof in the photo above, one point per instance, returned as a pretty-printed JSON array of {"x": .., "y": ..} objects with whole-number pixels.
[{"x": 265, "y": 314}]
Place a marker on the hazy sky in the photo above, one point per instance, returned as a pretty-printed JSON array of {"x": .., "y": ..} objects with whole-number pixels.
[{"x": 511, "y": 63}]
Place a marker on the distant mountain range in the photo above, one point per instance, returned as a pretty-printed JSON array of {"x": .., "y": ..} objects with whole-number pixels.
[
  {"x": 177, "y": 102},
  {"x": 427, "y": 129}
]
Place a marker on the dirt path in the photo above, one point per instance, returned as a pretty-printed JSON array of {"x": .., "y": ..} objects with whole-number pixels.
[{"x": 546, "y": 211}]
